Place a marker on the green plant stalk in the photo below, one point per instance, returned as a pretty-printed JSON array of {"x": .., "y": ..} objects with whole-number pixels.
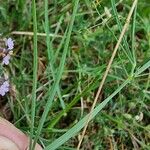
[{"x": 35, "y": 68}]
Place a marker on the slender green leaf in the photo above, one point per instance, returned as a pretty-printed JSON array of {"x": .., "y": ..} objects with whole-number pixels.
[
  {"x": 143, "y": 68},
  {"x": 58, "y": 76},
  {"x": 35, "y": 68},
  {"x": 76, "y": 128},
  {"x": 127, "y": 50},
  {"x": 51, "y": 53}
]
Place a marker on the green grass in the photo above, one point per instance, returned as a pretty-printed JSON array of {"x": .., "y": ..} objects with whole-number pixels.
[
  {"x": 35, "y": 71},
  {"x": 55, "y": 78}
]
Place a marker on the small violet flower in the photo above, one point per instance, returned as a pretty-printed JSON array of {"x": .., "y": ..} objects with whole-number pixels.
[
  {"x": 9, "y": 43},
  {"x": 4, "y": 88},
  {"x": 7, "y": 51},
  {"x": 6, "y": 59}
]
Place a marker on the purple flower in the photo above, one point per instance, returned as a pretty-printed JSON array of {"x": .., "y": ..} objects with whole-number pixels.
[
  {"x": 9, "y": 43},
  {"x": 4, "y": 88},
  {"x": 6, "y": 59}
]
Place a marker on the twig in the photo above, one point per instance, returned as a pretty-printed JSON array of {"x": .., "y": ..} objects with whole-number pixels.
[
  {"x": 107, "y": 70},
  {"x": 31, "y": 33}
]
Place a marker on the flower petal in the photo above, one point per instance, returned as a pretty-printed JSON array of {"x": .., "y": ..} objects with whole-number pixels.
[
  {"x": 9, "y": 43},
  {"x": 6, "y": 59}
]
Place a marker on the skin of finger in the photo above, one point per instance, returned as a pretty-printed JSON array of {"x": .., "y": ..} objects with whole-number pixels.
[
  {"x": 9, "y": 131},
  {"x": 7, "y": 144}
]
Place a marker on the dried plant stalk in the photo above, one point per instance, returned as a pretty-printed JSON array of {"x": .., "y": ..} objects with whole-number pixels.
[{"x": 107, "y": 69}]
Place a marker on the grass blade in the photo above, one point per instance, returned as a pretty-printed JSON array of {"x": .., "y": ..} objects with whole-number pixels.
[
  {"x": 127, "y": 51},
  {"x": 35, "y": 68},
  {"x": 58, "y": 76},
  {"x": 93, "y": 85},
  {"x": 143, "y": 68},
  {"x": 50, "y": 52},
  {"x": 75, "y": 129}
]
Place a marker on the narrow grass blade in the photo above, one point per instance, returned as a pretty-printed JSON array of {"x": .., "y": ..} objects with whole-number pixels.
[
  {"x": 59, "y": 47},
  {"x": 35, "y": 68},
  {"x": 57, "y": 28},
  {"x": 143, "y": 68},
  {"x": 58, "y": 76},
  {"x": 113, "y": 34},
  {"x": 127, "y": 50},
  {"x": 75, "y": 129},
  {"x": 51, "y": 53},
  {"x": 94, "y": 84}
]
